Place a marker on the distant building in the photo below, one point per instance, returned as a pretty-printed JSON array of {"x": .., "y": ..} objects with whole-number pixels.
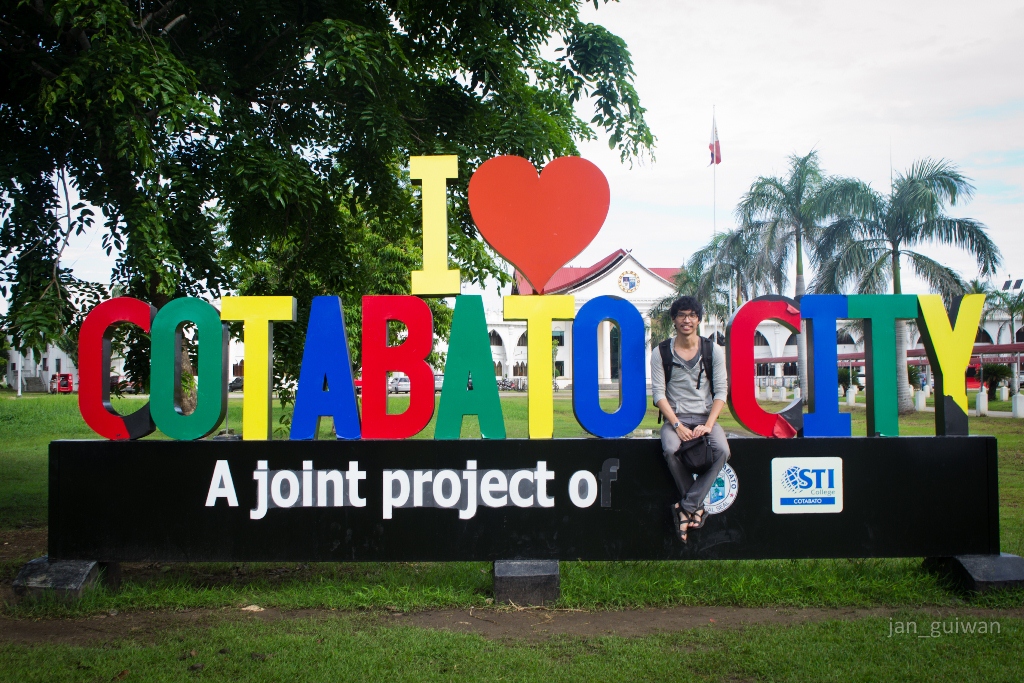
[{"x": 618, "y": 274}]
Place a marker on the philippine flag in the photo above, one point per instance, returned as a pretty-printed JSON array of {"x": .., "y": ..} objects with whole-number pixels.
[{"x": 716, "y": 149}]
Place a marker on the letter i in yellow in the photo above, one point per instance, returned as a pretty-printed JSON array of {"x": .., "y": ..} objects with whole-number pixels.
[{"x": 436, "y": 279}]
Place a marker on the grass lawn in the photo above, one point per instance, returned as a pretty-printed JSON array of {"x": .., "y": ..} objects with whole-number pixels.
[
  {"x": 354, "y": 646},
  {"x": 358, "y": 648}
]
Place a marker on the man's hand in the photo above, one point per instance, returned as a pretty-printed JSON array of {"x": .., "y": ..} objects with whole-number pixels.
[
  {"x": 684, "y": 432},
  {"x": 700, "y": 430}
]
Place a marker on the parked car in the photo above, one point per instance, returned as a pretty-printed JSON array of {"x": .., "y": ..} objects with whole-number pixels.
[
  {"x": 65, "y": 383},
  {"x": 237, "y": 384},
  {"x": 438, "y": 382},
  {"x": 359, "y": 386},
  {"x": 399, "y": 385}
]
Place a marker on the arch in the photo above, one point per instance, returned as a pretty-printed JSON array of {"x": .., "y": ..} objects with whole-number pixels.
[
  {"x": 522, "y": 340},
  {"x": 759, "y": 339},
  {"x": 497, "y": 369},
  {"x": 519, "y": 369},
  {"x": 789, "y": 369},
  {"x": 792, "y": 341},
  {"x": 495, "y": 338},
  {"x": 843, "y": 337},
  {"x": 1019, "y": 337},
  {"x": 983, "y": 337}
]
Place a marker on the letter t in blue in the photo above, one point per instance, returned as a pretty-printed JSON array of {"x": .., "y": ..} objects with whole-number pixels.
[{"x": 821, "y": 311}]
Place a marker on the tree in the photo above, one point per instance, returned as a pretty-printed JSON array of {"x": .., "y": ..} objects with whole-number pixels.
[
  {"x": 727, "y": 272},
  {"x": 658, "y": 317},
  {"x": 782, "y": 215},
  {"x": 1012, "y": 306},
  {"x": 873, "y": 234},
  {"x": 263, "y": 149}
]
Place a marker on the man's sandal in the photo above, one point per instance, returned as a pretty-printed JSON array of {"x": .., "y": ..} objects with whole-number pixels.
[
  {"x": 696, "y": 521},
  {"x": 681, "y": 521}
]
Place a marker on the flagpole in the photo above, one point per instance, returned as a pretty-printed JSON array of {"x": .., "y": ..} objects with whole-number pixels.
[{"x": 714, "y": 179}]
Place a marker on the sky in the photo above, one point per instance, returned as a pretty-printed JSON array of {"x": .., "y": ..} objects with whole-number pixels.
[{"x": 862, "y": 83}]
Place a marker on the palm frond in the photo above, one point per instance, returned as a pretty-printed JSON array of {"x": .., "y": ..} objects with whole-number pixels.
[
  {"x": 966, "y": 233},
  {"x": 876, "y": 278},
  {"x": 941, "y": 279}
]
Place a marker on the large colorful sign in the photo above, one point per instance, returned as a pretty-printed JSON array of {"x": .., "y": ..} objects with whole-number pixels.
[
  {"x": 368, "y": 496},
  {"x": 538, "y": 222}
]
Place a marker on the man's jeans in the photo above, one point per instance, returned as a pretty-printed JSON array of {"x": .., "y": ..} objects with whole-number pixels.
[{"x": 705, "y": 463}]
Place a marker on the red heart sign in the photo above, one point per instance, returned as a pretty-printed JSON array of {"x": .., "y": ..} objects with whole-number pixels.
[{"x": 538, "y": 223}]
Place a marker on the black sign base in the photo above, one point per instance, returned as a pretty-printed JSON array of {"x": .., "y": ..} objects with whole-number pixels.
[
  {"x": 588, "y": 499},
  {"x": 980, "y": 573}
]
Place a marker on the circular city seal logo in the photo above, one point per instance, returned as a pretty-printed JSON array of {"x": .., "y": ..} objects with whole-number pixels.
[
  {"x": 628, "y": 281},
  {"x": 723, "y": 492}
]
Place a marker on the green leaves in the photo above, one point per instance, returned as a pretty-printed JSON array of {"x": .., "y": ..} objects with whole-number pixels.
[{"x": 262, "y": 148}]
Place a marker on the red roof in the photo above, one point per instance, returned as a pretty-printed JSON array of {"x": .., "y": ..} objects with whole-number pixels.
[
  {"x": 667, "y": 273},
  {"x": 570, "y": 276}
]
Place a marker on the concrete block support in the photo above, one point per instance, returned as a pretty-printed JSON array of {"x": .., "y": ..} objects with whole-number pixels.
[
  {"x": 527, "y": 582},
  {"x": 981, "y": 403},
  {"x": 919, "y": 401},
  {"x": 1017, "y": 405},
  {"x": 980, "y": 573},
  {"x": 67, "y": 579}
]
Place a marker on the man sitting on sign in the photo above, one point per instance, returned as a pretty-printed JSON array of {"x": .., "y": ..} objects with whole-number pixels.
[{"x": 690, "y": 386}]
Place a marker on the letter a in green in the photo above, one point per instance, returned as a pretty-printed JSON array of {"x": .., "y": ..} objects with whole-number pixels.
[{"x": 469, "y": 355}]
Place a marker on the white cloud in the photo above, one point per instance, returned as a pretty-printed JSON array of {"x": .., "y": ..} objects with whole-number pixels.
[{"x": 933, "y": 79}]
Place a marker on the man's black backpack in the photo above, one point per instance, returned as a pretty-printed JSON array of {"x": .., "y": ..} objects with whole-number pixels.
[{"x": 707, "y": 362}]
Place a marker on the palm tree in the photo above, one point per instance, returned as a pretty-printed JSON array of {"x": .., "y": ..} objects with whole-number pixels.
[
  {"x": 783, "y": 216},
  {"x": 874, "y": 234},
  {"x": 660, "y": 325},
  {"x": 1012, "y": 305},
  {"x": 727, "y": 272}
]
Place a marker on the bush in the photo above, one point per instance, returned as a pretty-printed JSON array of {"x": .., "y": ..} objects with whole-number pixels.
[
  {"x": 914, "y": 375},
  {"x": 993, "y": 374},
  {"x": 845, "y": 380}
]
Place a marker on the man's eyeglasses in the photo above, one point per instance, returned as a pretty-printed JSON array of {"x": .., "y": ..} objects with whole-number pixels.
[{"x": 686, "y": 315}]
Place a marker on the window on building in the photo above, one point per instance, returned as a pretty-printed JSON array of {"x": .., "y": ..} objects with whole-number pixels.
[
  {"x": 238, "y": 369},
  {"x": 56, "y": 366},
  {"x": 613, "y": 350},
  {"x": 843, "y": 337},
  {"x": 789, "y": 369},
  {"x": 46, "y": 364},
  {"x": 1020, "y": 335},
  {"x": 764, "y": 370},
  {"x": 497, "y": 370},
  {"x": 559, "y": 368},
  {"x": 983, "y": 337},
  {"x": 558, "y": 336},
  {"x": 759, "y": 339},
  {"x": 519, "y": 370},
  {"x": 792, "y": 341},
  {"x": 495, "y": 338},
  {"x": 522, "y": 340}
]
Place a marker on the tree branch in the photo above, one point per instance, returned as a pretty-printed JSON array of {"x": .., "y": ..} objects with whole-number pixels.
[
  {"x": 174, "y": 22},
  {"x": 44, "y": 71}
]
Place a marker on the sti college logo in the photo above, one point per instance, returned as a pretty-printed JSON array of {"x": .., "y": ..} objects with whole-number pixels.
[{"x": 807, "y": 485}]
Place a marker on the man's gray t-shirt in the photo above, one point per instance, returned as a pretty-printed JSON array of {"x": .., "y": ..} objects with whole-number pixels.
[{"x": 682, "y": 392}]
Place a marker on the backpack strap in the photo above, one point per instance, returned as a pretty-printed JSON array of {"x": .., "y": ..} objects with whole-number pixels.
[
  {"x": 665, "y": 349},
  {"x": 707, "y": 361}
]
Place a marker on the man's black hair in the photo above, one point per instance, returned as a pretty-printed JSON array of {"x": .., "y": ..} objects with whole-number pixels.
[{"x": 686, "y": 303}]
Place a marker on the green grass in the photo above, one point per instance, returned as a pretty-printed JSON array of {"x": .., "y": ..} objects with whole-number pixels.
[
  {"x": 29, "y": 423},
  {"x": 359, "y": 648}
]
